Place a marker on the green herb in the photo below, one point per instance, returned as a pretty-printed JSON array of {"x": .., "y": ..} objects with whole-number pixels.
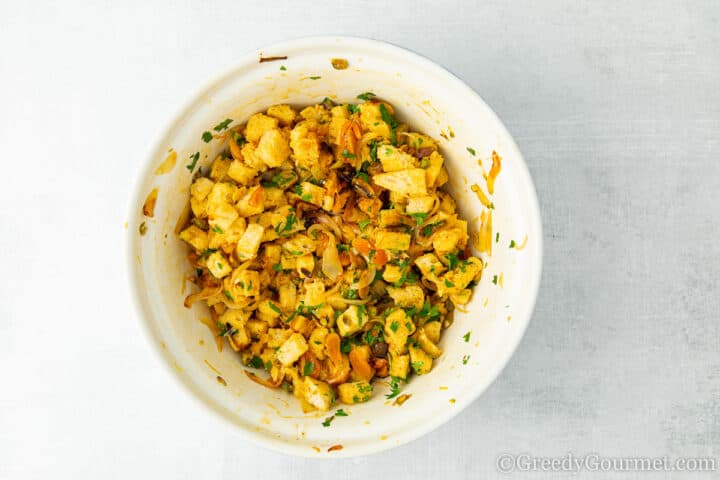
[
  {"x": 346, "y": 345},
  {"x": 275, "y": 308},
  {"x": 342, "y": 248},
  {"x": 217, "y": 229},
  {"x": 363, "y": 224},
  {"x": 353, "y": 108},
  {"x": 424, "y": 163},
  {"x": 406, "y": 277},
  {"x": 363, "y": 176},
  {"x": 416, "y": 366},
  {"x": 341, "y": 413},
  {"x": 453, "y": 260},
  {"x": 347, "y": 154},
  {"x": 277, "y": 267},
  {"x": 198, "y": 272},
  {"x": 207, "y": 136},
  {"x": 278, "y": 181},
  {"x": 430, "y": 311},
  {"x": 365, "y": 96},
  {"x": 229, "y": 297},
  {"x": 373, "y": 150},
  {"x": 350, "y": 294},
  {"x": 394, "y": 388},
  {"x": 268, "y": 365},
  {"x": 497, "y": 237},
  {"x": 308, "y": 368},
  {"x": 471, "y": 150},
  {"x": 328, "y": 421},
  {"x": 239, "y": 139},
  {"x": 373, "y": 336},
  {"x": 512, "y": 243},
  {"x": 465, "y": 359},
  {"x": 328, "y": 103},
  {"x": 391, "y": 122},
  {"x": 219, "y": 265},
  {"x": 194, "y": 157},
  {"x": 222, "y": 125},
  {"x": 419, "y": 217},
  {"x": 315, "y": 77},
  {"x": 394, "y": 326},
  {"x": 466, "y": 337},
  {"x": 428, "y": 229},
  {"x": 283, "y": 68},
  {"x": 283, "y": 228},
  {"x": 449, "y": 284},
  {"x": 494, "y": 280},
  {"x": 227, "y": 330},
  {"x": 208, "y": 251},
  {"x": 256, "y": 362},
  {"x": 492, "y": 206}
]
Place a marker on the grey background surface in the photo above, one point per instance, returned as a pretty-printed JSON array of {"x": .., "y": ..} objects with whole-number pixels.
[{"x": 616, "y": 107}]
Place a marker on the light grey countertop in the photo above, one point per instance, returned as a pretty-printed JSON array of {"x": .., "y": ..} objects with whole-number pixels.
[{"x": 616, "y": 108}]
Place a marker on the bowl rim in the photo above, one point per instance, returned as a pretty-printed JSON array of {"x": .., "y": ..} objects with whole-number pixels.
[{"x": 131, "y": 252}]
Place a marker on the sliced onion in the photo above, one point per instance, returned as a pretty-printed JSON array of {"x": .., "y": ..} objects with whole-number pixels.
[
  {"x": 331, "y": 266},
  {"x": 325, "y": 220},
  {"x": 262, "y": 381},
  {"x": 205, "y": 293},
  {"x": 366, "y": 278}
]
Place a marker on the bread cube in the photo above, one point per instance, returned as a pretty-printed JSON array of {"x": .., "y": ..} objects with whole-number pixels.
[
  {"x": 403, "y": 182},
  {"x": 249, "y": 243},
  {"x": 293, "y": 348}
]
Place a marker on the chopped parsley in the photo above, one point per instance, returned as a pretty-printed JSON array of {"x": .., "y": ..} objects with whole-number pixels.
[
  {"x": 428, "y": 229},
  {"x": 315, "y": 77},
  {"x": 277, "y": 267},
  {"x": 465, "y": 359},
  {"x": 194, "y": 159},
  {"x": 416, "y": 366},
  {"x": 285, "y": 227},
  {"x": 419, "y": 217},
  {"x": 277, "y": 181},
  {"x": 342, "y": 248},
  {"x": 207, "y": 136},
  {"x": 363, "y": 224},
  {"x": 373, "y": 150},
  {"x": 283, "y": 67},
  {"x": 391, "y": 122},
  {"x": 341, "y": 413},
  {"x": 274, "y": 308},
  {"x": 430, "y": 311},
  {"x": 394, "y": 326},
  {"x": 494, "y": 280},
  {"x": 365, "y": 96},
  {"x": 222, "y": 125},
  {"x": 208, "y": 251},
  {"x": 256, "y": 362},
  {"x": 512, "y": 243},
  {"x": 449, "y": 284},
  {"x": 471, "y": 150},
  {"x": 328, "y": 421},
  {"x": 453, "y": 260},
  {"x": 394, "y": 388},
  {"x": 308, "y": 368},
  {"x": 217, "y": 229},
  {"x": 497, "y": 237},
  {"x": 466, "y": 337},
  {"x": 347, "y": 154},
  {"x": 229, "y": 297},
  {"x": 227, "y": 330},
  {"x": 353, "y": 108}
]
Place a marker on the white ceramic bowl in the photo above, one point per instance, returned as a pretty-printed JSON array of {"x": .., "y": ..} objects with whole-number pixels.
[{"x": 433, "y": 101}]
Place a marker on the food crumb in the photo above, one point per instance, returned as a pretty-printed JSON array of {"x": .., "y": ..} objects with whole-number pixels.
[
  {"x": 221, "y": 381},
  {"x": 402, "y": 399},
  {"x": 142, "y": 228},
  {"x": 168, "y": 164},
  {"x": 335, "y": 447},
  {"x": 125, "y": 225},
  {"x": 339, "y": 63},
  {"x": 149, "y": 205},
  {"x": 316, "y": 449},
  {"x": 383, "y": 437},
  {"x": 443, "y": 388},
  {"x": 452, "y": 400}
]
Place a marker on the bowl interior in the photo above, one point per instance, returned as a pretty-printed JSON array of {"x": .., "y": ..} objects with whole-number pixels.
[{"x": 432, "y": 101}]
